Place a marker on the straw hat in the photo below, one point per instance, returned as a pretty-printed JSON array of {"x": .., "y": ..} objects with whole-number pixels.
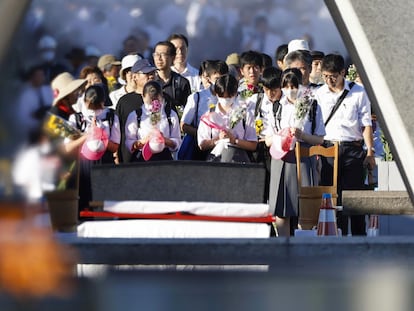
[
  {"x": 63, "y": 85},
  {"x": 233, "y": 59},
  {"x": 107, "y": 59}
]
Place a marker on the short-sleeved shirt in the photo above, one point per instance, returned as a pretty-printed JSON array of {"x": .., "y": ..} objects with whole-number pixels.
[
  {"x": 133, "y": 133},
  {"x": 114, "y": 131},
  {"x": 353, "y": 114},
  {"x": 242, "y": 130},
  {"x": 205, "y": 98},
  {"x": 287, "y": 118}
]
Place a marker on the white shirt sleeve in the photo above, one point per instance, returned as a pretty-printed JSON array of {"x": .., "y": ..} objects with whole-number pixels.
[
  {"x": 131, "y": 130},
  {"x": 204, "y": 132},
  {"x": 175, "y": 131},
  {"x": 116, "y": 131},
  {"x": 189, "y": 110}
]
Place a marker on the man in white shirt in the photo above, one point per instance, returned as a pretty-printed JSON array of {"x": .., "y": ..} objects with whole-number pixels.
[
  {"x": 350, "y": 125},
  {"x": 181, "y": 65}
]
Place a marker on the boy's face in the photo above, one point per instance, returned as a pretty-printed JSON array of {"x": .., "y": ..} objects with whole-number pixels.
[
  {"x": 251, "y": 73},
  {"x": 273, "y": 94}
]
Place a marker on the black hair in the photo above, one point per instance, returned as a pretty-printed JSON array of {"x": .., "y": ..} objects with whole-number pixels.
[
  {"x": 226, "y": 85},
  {"x": 178, "y": 36},
  {"x": 271, "y": 77},
  {"x": 291, "y": 76},
  {"x": 281, "y": 52},
  {"x": 251, "y": 58},
  {"x": 95, "y": 96},
  {"x": 333, "y": 63},
  {"x": 299, "y": 55},
  {"x": 171, "y": 48},
  {"x": 209, "y": 67},
  {"x": 152, "y": 88},
  {"x": 267, "y": 60}
]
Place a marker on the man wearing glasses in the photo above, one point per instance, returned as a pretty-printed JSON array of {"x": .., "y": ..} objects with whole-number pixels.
[
  {"x": 346, "y": 112},
  {"x": 176, "y": 88}
]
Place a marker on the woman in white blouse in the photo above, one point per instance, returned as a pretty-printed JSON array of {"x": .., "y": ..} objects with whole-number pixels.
[
  {"x": 227, "y": 137},
  {"x": 155, "y": 118}
]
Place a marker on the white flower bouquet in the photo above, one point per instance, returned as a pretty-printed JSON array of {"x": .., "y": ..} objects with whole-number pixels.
[
  {"x": 237, "y": 114},
  {"x": 302, "y": 108}
]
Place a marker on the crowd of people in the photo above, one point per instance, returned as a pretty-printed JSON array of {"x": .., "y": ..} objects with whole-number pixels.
[{"x": 250, "y": 106}]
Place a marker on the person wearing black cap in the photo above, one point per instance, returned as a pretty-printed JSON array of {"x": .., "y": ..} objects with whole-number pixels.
[
  {"x": 142, "y": 72},
  {"x": 315, "y": 76}
]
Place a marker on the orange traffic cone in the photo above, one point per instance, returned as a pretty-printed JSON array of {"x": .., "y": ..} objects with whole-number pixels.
[
  {"x": 373, "y": 227},
  {"x": 327, "y": 217}
]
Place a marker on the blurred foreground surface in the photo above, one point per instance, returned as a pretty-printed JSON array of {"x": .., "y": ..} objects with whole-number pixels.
[{"x": 380, "y": 288}]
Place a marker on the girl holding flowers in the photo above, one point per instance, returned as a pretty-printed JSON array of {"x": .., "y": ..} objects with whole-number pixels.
[
  {"x": 154, "y": 126},
  {"x": 297, "y": 118},
  {"x": 228, "y": 129}
]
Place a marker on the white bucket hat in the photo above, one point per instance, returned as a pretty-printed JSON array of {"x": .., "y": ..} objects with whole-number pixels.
[
  {"x": 63, "y": 85},
  {"x": 298, "y": 45},
  {"x": 127, "y": 62}
]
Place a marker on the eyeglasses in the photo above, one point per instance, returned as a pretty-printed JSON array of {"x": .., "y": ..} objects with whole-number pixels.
[
  {"x": 162, "y": 55},
  {"x": 333, "y": 77}
]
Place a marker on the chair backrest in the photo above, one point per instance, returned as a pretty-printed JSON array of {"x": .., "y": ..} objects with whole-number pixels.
[
  {"x": 310, "y": 196},
  {"x": 328, "y": 152}
]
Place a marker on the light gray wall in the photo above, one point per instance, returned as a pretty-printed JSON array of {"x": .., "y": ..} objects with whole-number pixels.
[{"x": 378, "y": 35}]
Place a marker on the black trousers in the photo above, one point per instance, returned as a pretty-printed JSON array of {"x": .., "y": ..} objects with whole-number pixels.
[{"x": 350, "y": 177}]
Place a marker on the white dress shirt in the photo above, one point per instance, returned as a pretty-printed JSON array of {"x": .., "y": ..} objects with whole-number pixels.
[
  {"x": 191, "y": 74},
  {"x": 353, "y": 113},
  {"x": 287, "y": 118}
]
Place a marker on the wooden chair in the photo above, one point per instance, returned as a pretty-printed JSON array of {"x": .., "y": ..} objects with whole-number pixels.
[{"x": 310, "y": 197}]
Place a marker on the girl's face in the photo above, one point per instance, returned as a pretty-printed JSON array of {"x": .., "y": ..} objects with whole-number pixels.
[
  {"x": 92, "y": 79},
  {"x": 290, "y": 91},
  {"x": 227, "y": 100}
]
